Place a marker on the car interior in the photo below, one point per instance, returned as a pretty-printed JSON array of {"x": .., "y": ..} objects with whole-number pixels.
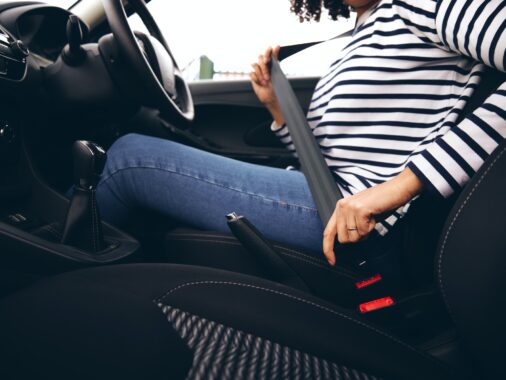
[{"x": 80, "y": 298}]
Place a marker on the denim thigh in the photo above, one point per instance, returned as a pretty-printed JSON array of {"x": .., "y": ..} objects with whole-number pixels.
[{"x": 199, "y": 188}]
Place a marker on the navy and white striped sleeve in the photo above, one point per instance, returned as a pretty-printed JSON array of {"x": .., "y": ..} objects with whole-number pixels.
[
  {"x": 477, "y": 29},
  {"x": 284, "y": 136}
]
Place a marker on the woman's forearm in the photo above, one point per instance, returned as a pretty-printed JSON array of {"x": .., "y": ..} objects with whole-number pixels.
[
  {"x": 275, "y": 111},
  {"x": 408, "y": 185}
]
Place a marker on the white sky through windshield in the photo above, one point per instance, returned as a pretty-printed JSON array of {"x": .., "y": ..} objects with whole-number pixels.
[{"x": 233, "y": 32}]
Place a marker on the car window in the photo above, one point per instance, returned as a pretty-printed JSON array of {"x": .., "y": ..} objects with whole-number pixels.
[{"x": 220, "y": 39}]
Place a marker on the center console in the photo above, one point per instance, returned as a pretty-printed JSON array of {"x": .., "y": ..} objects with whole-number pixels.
[{"x": 38, "y": 234}]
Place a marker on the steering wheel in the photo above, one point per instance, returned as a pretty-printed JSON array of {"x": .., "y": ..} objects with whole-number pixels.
[{"x": 152, "y": 61}]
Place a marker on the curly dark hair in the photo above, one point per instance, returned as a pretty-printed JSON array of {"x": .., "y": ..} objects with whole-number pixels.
[{"x": 308, "y": 10}]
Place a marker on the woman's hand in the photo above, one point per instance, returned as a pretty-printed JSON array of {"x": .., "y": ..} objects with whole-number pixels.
[
  {"x": 355, "y": 217},
  {"x": 262, "y": 85}
]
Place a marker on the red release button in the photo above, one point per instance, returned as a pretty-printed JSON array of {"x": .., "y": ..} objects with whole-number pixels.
[
  {"x": 376, "y": 304},
  {"x": 368, "y": 282}
]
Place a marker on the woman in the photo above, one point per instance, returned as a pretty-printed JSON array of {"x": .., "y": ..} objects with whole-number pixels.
[{"x": 384, "y": 115}]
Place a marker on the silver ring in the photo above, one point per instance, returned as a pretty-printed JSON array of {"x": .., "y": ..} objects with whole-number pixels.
[{"x": 353, "y": 229}]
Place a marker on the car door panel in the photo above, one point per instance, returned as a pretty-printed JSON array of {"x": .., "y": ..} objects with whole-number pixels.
[
  {"x": 231, "y": 121},
  {"x": 240, "y": 92}
]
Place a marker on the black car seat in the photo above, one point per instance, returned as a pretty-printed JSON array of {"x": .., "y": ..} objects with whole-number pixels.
[
  {"x": 420, "y": 231},
  {"x": 171, "y": 321}
]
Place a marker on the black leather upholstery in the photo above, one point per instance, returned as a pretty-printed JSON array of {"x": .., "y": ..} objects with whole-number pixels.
[
  {"x": 110, "y": 323},
  {"x": 81, "y": 327},
  {"x": 471, "y": 265},
  {"x": 221, "y": 251}
]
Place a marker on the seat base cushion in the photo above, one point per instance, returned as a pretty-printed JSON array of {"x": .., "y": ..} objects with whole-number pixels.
[{"x": 138, "y": 320}]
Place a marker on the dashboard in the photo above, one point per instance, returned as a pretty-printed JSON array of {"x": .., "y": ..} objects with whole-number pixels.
[
  {"x": 13, "y": 56},
  {"x": 41, "y": 28},
  {"x": 32, "y": 36},
  {"x": 43, "y": 31}
]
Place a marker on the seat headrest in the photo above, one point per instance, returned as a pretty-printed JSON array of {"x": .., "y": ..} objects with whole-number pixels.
[{"x": 471, "y": 265}]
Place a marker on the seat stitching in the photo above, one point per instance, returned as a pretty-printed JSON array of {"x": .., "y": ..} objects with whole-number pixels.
[
  {"x": 314, "y": 259},
  {"x": 454, "y": 221},
  {"x": 104, "y": 180},
  {"x": 303, "y": 259},
  {"x": 225, "y": 239},
  {"x": 206, "y": 239},
  {"x": 189, "y": 234},
  {"x": 325, "y": 267},
  {"x": 302, "y": 300}
]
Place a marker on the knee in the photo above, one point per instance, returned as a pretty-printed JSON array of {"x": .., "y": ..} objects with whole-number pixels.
[
  {"x": 120, "y": 155},
  {"x": 128, "y": 151},
  {"x": 134, "y": 151},
  {"x": 121, "y": 146}
]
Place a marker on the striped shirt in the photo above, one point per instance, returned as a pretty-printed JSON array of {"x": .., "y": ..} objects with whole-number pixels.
[{"x": 392, "y": 98}]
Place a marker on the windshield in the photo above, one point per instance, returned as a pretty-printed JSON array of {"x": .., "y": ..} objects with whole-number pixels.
[
  {"x": 59, "y": 3},
  {"x": 220, "y": 39}
]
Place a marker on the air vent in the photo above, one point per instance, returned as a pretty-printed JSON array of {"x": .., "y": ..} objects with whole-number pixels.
[{"x": 13, "y": 56}]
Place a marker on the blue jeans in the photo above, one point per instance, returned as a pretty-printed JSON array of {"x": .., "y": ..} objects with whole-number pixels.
[{"x": 199, "y": 189}]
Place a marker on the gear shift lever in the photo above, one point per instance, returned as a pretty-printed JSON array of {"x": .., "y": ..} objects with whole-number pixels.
[{"x": 83, "y": 227}]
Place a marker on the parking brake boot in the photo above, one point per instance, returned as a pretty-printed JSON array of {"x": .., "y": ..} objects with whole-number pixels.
[{"x": 83, "y": 227}]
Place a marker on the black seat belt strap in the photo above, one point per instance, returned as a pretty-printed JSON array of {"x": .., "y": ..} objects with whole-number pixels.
[
  {"x": 318, "y": 175},
  {"x": 289, "y": 50}
]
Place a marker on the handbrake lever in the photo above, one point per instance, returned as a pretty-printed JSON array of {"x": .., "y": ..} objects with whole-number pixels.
[{"x": 276, "y": 269}]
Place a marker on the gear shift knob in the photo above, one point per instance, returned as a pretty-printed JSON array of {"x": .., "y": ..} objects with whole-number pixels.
[{"x": 89, "y": 161}]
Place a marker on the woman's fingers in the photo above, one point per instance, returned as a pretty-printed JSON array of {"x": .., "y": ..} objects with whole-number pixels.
[
  {"x": 329, "y": 238},
  {"x": 351, "y": 222},
  {"x": 363, "y": 225},
  {"x": 261, "y": 68},
  {"x": 264, "y": 63},
  {"x": 355, "y": 216},
  {"x": 342, "y": 225},
  {"x": 254, "y": 78},
  {"x": 275, "y": 52},
  {"x": 352, "y": 228},
  {"x": 357, "y": 220},
  {"x": 267, "y": 55},
  {"x": 258, "y": 74}
]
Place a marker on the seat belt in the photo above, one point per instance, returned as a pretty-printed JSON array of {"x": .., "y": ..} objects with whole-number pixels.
[
  {"x": 289, "y": 50},
  {"x": 321, "y": 182},
  {"x": 319, "y": 177}
]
